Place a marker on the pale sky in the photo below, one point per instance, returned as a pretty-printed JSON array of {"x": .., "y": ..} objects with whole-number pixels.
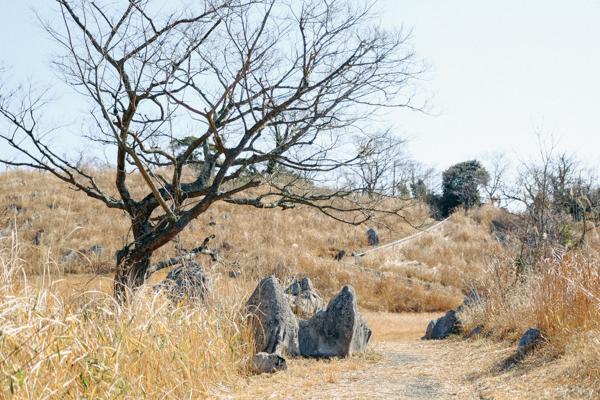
[{"x": 500, "y": 70}]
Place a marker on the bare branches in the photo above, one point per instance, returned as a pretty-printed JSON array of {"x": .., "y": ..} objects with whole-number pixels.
[{"x": 243, "y": 91}]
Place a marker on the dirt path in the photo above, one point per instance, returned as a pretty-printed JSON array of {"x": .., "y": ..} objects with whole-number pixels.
[
  {"x": 400, "y": 366},
  {"x": 397, "y": 366}
]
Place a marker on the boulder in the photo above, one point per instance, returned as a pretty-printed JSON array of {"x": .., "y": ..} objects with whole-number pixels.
[
  {"x": 303, "y": 298},
  {"x": 442, "y": 327},
  {"x": 340, "y": 331},
  {"x": 372, "y": 237},
  {"x": 530, "y": 340},
  {"x": 271, "y": 318},
  {"x": 185, "y": 282},
  {"x": 263, "y": 362}
]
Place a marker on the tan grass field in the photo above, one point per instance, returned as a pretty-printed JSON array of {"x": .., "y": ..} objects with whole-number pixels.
[{"x": 63, "y": 336}]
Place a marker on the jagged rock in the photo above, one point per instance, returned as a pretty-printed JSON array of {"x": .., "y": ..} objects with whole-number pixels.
[
  {"x": 263, "y": 362},
  {"x": 341, "y": 330},
  {"x": 97, "y": 249},
  {"x": 372, "y": 237},
  {"x": 70, "y": 257},
  {"x": 27, "y": 225},
  {"x": 472, "y": 299},
  {"x": 475, "y": 331},
  {"x": 274, "y": 325},
  {"x": 303, "y": 298},
  {"x": 530, "y": 340},
  {"x": 442, "y": 327},
  {"x": 14, "y": 207},
  {"x": 185, "y": 282},
  {"x": 38, "y": 239}
]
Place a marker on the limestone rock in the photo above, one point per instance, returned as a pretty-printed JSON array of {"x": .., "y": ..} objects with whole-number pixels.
[
  {"x": 271, "y": 318},
  {"x": 263, "y": 362},
  {"x": 341, "y": 330},
  {"x": 97, "y": 249},
  {"x": 39, "y": 237},
  {"x": 529, "y": 341},
  {"x": 442, "y": 327},
  {"x": 185, "y": 282},
  {"x": 303, "y": 298},
  {"x": 70, "y": 257},
  {"x": 372, "y": 237},
  {"x": 27, "y": 225}
]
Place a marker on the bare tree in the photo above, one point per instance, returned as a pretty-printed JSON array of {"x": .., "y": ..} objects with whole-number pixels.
[
  {"x": 375, "y": 172},
  {"x": 498, "y": 167},
  {"x": 258, "y": 81}
]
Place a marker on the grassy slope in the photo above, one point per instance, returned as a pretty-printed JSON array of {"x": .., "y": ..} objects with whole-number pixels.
[{"x": 429, "y": 273}]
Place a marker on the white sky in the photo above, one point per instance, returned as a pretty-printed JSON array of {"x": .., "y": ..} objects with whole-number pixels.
[{"x": 500, "y": 70}]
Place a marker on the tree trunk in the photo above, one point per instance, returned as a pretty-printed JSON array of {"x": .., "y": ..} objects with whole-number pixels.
[{"x": 130, "y": 275}]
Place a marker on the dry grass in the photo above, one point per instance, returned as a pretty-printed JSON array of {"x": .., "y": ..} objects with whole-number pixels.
[
  {"x": 284, "y": 243},
  {"x": 57, "y": 343},
  {"x": 562, "y": 299}
]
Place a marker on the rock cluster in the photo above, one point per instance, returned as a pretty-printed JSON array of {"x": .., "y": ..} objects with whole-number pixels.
[
  {"x": 339, "y": 330},
  {"x": 303, "y": 299}
]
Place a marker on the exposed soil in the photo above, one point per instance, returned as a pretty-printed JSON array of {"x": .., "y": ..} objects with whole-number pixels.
[{"x": 400, "y": 366}]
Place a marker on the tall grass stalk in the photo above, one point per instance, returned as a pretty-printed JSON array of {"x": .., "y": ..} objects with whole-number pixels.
[{"x": 84, "y": 345}]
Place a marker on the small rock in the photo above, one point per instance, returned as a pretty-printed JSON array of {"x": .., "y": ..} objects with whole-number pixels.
[
  {"x": 212, "y": 224},
  {"x": 475, "y": 331},
  {"x": 224, "y": 215},
  {"x": 340, "y": 331},
  {"x": 27, "y": 225},
  {"x": 340, "y": 255},
  {"x": 489, "y": 333},
  {"x": 34, "y": 193},
  {"x": 234, "y": 274},
  {"x": 96, "y": 249},
  {"x": 263, "y": 362},
  {"x": 294, "y": 246},
  {"x": 14, "y": 207},
  {"x": 52, "y": 206},
  {"x": 70, "y": 257},
  {"x": 226, "y": 245},
  {"x": 274, "y": 325},
  {"x": 191, "y": 227},
  {"x": 372, "y": 237},
  {"x": 38, "y": 239},
  {"x": 530, "y": 340},
  {"x": 442, "y": 327},
  {"x": 185, "y": 282}
]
